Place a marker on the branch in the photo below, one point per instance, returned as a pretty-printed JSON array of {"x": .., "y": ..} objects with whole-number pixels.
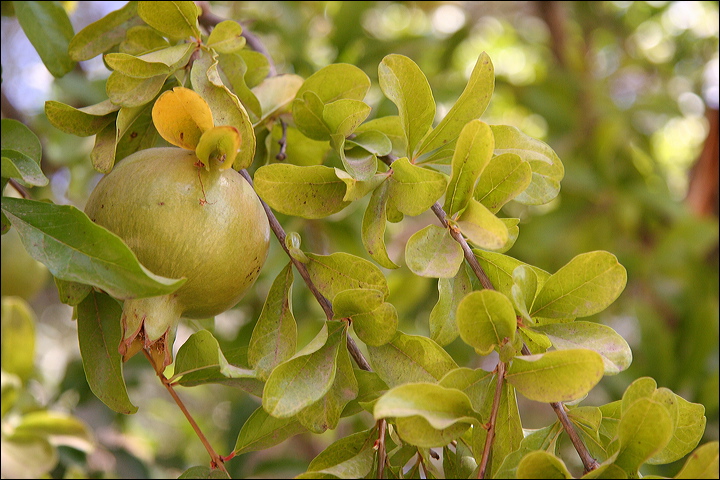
[
  {"x": 589, "y": 462},
  {"x": 500, "y": 371},
  {"x": 216, "y": 460}
]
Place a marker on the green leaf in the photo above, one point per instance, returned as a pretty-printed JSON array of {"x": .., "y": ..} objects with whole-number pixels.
[
  {"x": 18, "y": 165},
  {"x": 307, "y": 377},
  {"x": 258, "y": 67},
  {"x": 17, "y": 449},
  {"x": 644, "y": 430},
  {"x": 71, "y": 293},
  {"x": 225, "y": 106},
  {"x": 102, "y": 155},
  {"x": 373, "y": 227},
  {"x": 374, "y": 320},
  {"x": 176, "y": 20},
  {"x": 335, "y": 82},
  {"x": 547, "y": 169},
  {"x": 48, "y": 28},
  {"x": 587, "y": 421},
  {"x": 102, "y": 35},
  {"x": 544, "y": 439},
  {"x": 356, "y": 189},
  {"x": 326, "y": 412},
  {"x": 586, "y": 285},
  {"x": 418, "y": 431},
  {"x": 234, "y": 68},
  {"x": 472, "y": 103},
  {"x": 508, "y": 431},
  {"x": 615, "y": 351},
  {"x": 299, "y": 149},
  {"x": 274, "y": 337},
  {"x": 689, "y": 430},
  {"x": 307, "y": 112},
  {"x": 308, "y": 192},
  {"x": 523, "y": 290},
  {"x": 372, "y": 141},
  {"x": 703, "y": 463},
  {"x": 16, "y": 136},
  {"x": 348, "y": 457},
  {"x": 99, "y": 335},
  {"x": 261, "y": 431},
  {"x": 140, "y": 39},
  {"x": 482, "y": 227},
  {"x": 505, "y": 177},
  {"x": 200, "y": 361},
  {"x": 440, "y": 406},
  {"x": 485, "y": 319},
  {"x": 275, "y": 93},
  {"x": 499, "y": 269},
  {"x": 205, "y": 473},
  {"x": 81, "y": 122},
  {"x": 18, "y": 337},
  {"x": 443, "y": 324},
  {"x": 402, "y": 81},
  {"x": 76, "y": 249},
  {"x": 473, "y": 152},
  {"x": 556, "y": 376},
  {"x": 432, "y": 252},
  {"x": 392, "y": 128},
  {"x": 360, "y": 165},
  {"x": 226, "y": 37},
  {"x": 541, "y": 464},
  {"x": 410, "y": 359},
  {"x": 343, "y": 116},
  {"x": 340, "y": 271},
  {"x": 158, "y": 62},
  {"x": 133, "y": 92},
  {"x": 135, "y": 131},
  {"x": 413, "y": 189},
  {"x": 59, "y": 428}
]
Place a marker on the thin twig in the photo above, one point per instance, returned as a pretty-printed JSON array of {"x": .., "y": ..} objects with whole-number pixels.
[
  {"x": 588, "y": 461},
  {"x": 500, "y": 371},
  {"x": 382, "y": 453},
  {"x": 20, "y": 189},
  {"x": 324, "y": 302},
  {"x": 282, "y": 142},
  {"x": 217, "y": 460}
]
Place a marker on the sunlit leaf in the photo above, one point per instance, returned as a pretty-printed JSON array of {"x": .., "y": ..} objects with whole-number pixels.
[
  {"x": 226, "y": 37},
  {"x": 556, "y": 376},
  {"x": 485, "y": 319},
  {"x": 174, "y": 19},
  {"x": 348, "y": 457},
  {"x": 504, "y": 178},
  {"x": 373, "y": 227},
  {"x": 413, "y": 189},
  {"x": 102, "y": 35},
  {"x": 541, "y": 464},
  {"x": 482, "y": 227},
  {"x": 18, "y": 337},
  {"x": 81, "y": 122},
  {"x": 443, "y": 324},
  {"x": 586, "y": 285},
  {"x": 432, "y": 252},
  {"x": 340, "y": 271},
  {"x": 472, "y": 153},
  {"x": 402, "y": 81}
]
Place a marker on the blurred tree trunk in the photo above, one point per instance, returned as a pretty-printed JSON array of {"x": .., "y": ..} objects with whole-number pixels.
[{"x": 702, "y": 194}]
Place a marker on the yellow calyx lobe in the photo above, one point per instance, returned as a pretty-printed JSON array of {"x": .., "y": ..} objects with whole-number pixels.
[{"x": 218, "y": 147}]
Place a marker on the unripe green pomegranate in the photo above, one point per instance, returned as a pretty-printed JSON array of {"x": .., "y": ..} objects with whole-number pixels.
[{"x": 181, "y": 220}]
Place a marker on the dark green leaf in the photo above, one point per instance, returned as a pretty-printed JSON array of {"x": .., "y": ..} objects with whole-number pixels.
[
  {"x": 74, "y": 248},
  {"x": 16, "y": 136},
  {"x": 18, "y": 165},
  {"x": 261, "y": 431},
  {"x": 48, "y": 28},
  {"x": 274, "y": 337},
  {"x": 349, "y": 457},
  {"x": 99, "y": 335}
]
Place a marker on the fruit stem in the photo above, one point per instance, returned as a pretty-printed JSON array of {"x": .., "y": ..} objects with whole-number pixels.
[{"x": 216, "y": 460}]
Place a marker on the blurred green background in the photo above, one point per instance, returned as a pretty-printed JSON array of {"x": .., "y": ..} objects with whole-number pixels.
[{"x": 625, "y": 92}]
